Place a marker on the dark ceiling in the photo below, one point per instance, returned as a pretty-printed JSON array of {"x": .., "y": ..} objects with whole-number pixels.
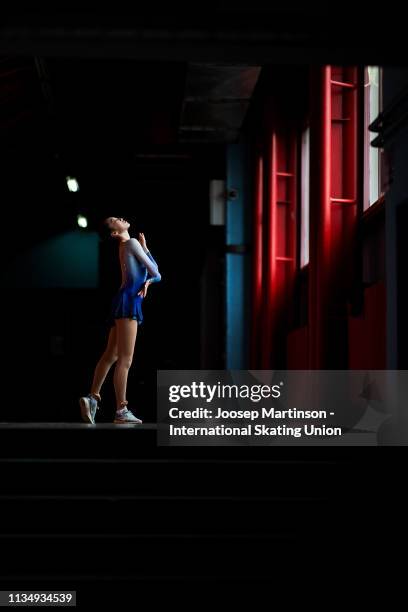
[
  {"x": 255, "y": 31},
  {"x": 111, "y": 123},
  {"x": 116, "y": 103},
  {"x": 134, "y": 104},
  {"x": 153, "y": 94}
]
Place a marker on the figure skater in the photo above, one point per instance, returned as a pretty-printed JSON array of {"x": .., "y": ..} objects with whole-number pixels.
[{"x": 139, "y": 270}]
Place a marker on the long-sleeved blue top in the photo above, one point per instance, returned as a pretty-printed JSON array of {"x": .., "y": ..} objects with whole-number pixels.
[{"x": 137, "y": 265}]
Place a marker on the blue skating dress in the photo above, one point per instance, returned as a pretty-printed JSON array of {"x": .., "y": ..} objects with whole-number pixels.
[{"x": 137, "y": 267}]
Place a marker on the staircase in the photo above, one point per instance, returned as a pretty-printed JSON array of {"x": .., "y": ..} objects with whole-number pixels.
[{"x": 102, "y": 509}]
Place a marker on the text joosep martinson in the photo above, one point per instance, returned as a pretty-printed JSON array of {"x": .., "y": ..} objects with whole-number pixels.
[{"x": 255, "y": 393}]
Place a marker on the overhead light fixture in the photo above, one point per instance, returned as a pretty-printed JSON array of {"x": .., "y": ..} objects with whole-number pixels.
[
  {"x": 72, "y": 183},
  {"x": 82, "y": 221}
]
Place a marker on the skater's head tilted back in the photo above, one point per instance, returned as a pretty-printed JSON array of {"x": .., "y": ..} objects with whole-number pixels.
[{"x": 116, "y": 227}]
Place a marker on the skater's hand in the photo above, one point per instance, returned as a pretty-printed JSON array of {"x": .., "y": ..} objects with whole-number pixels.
[
  {"x": 142, "y": 241},
  {"x": 143, "y": 290}
]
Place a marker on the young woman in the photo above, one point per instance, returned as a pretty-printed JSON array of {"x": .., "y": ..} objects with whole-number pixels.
[{"x": 139, "y": 270}]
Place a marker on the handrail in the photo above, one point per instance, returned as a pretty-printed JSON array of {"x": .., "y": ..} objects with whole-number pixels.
[{"x": 391, "y": 119}]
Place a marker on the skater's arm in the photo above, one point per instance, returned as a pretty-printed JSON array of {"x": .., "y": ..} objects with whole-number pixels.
[
  {"x": 152, "y": 279},
  {"x": 147, "y": 260}
]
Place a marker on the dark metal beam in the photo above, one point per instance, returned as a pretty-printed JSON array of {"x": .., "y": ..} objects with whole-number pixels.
[{"x": 282, "y": 41}]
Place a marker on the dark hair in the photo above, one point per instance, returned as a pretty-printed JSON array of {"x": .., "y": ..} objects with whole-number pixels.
[{"x": 104, "y": 230}]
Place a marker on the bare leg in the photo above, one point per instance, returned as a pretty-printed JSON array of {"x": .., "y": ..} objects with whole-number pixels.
[
  {"x": 104, "y": 364},
  {"x": 126, "y": 331}
]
